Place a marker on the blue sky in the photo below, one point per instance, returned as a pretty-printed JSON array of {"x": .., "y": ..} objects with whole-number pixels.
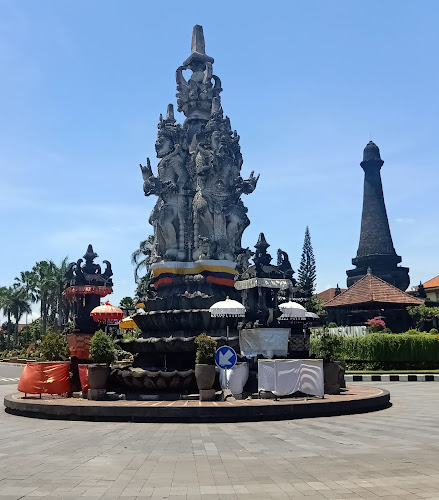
[{"x": 306, "y": 84}]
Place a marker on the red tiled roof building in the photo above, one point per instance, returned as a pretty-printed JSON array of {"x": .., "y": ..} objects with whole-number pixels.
[{"x": 370, "y": 297}]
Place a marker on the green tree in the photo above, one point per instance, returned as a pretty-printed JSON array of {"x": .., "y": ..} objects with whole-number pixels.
[
  {"x": 31, "y": 333},
  {"x": 37, "y": 284},
  {"x": 58, "y": 282},
  {"x": 140, "y": 258},
  {"x": 307, "y": 269},
  {"x": 45, "y": 283},
  {"x": 422, "y": 314},
  {"x": 20, "y": 304},
  {"x": 315, "y": 305},
  {"x": 127, "y": 303},
  {"x": 6, "y": 305}
]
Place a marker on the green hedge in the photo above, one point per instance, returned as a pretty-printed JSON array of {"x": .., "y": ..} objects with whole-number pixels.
[{"x": 377, "y": 350}]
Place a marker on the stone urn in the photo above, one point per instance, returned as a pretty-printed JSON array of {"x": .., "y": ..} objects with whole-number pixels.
[
  {"x": 205, "y": 376},
  {"x": 98, "y": 375},
  {"x": 333, "y": 373}
]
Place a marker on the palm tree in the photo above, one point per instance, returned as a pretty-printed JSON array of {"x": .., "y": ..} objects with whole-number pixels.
[
  {"x": 20, "y": 304},
  {"x": 42, "y": 272},
  {"x": 58, "y": 280},
  {"x": 140, "y": 257},
  {"x": 45, "y": 283},
  {"x": 6, "y": 307},
  {"x": 27, "y": 280}
]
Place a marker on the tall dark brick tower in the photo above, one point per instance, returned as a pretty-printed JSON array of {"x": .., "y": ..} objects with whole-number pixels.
[{"x": 376, "y": 250}]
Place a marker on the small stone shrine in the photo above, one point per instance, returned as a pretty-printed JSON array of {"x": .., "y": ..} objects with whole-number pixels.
[{"x": 86, "y": 284}]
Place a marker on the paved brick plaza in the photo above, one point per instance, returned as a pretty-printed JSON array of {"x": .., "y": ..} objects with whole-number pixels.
[{"x": 392, "y": 453}]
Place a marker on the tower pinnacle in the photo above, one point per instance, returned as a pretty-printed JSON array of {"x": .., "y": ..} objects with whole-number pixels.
[
  {"x": 198, "y": 40},
  {"x": 198, "y": 48}
]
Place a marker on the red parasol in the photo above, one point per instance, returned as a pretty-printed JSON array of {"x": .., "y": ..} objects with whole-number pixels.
[{"x": 106, "y": 312}]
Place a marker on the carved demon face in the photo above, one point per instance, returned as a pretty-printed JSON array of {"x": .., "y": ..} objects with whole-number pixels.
[{"x": 163, "y": 146}]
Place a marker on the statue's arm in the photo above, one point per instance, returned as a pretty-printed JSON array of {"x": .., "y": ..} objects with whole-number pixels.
[
  {"x": 249, "y": 185},
  {"x": 151, "y": 184}
]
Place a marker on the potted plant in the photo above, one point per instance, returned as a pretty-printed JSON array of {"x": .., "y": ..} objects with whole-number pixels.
[
  {"x": 102, "y": 353},
  {"x": 205, "y": 362},
  {"x": 333, "y": 369}
]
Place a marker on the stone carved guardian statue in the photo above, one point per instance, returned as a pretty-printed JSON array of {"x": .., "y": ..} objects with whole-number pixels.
[
  {"x": 218, "y": 211},
  {"x": 170, "y": 215}
]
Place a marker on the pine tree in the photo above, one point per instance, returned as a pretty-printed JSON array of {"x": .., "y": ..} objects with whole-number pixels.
[{"x": 307, "y": 269}]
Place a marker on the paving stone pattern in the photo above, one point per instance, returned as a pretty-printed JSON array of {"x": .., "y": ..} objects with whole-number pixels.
[{"x": 393, "y": 453}]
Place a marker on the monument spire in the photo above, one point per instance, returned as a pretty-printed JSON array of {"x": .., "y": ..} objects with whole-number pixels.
[
  {"x": 195, "y": 95},
  {"x": 376, "y": 249},
  {"x": 198, "y": 44}
]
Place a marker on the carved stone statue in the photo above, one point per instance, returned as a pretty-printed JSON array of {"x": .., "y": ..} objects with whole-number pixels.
[
  {"x": 216, "y": 163},
  {"x": 199, "y": 213},
  {"x": 170, "y": 216},
  {"x": 242, "y": 260}
]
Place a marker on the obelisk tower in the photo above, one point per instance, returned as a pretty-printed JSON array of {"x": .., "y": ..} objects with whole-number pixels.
[{"x": 375, "y": 250}]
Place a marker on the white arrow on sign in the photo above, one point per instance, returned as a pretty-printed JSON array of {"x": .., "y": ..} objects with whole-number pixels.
[{"x": 224, "y": 359}]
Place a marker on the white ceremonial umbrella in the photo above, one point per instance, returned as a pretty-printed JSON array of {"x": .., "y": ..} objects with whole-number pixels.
[
  {"x": 227, "y": 309},
  {"x": 312, "y": 315},
  {"x": 292, "y": 310}
]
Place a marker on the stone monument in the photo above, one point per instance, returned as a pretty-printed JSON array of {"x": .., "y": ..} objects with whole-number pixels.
[
  {"x": 375, "y": 250},
  {"x": 198, "y": 221}
]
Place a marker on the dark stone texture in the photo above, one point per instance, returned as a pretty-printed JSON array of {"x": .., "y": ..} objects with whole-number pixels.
[
  {"x": 375, "y": 250},
  {"x": 80, "y": 275}
]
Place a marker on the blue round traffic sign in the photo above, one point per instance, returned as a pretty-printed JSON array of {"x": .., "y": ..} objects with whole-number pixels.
[{"x": 225, "y": 357}]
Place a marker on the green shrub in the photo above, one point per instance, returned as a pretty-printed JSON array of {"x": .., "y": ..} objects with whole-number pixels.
[
  {"x": 434, "y": 331},
  {"x": 101, "y": 348},
  {"x": 206, "y": 349},
  {"x": 412, "y": 332},
  {"x": 53, "y": 347},
  {"x": 386, "y": 351},
  {"x": 327, "y": 347},
  {"x": 386, "y": 330},
  {"x": 332, "y": 325},
  {"x": 132, "y": 333}
]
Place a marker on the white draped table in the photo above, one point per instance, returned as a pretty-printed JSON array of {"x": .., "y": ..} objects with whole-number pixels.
[{"x": 286, "y": 376}]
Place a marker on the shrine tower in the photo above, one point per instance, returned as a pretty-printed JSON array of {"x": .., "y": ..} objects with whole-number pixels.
[{"x": 376, "y": 250}]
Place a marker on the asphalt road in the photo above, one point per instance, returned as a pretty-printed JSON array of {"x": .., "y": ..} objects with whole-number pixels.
[{"x": 10, "y": 373}]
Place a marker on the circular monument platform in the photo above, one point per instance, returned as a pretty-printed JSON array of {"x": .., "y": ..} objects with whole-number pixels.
[{"x": 355, "y": 399}]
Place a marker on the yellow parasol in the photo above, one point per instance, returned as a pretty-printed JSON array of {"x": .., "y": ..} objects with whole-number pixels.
[{"x": 127, "y": 323}]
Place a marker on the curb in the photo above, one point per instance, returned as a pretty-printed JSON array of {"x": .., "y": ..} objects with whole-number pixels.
[
  {"x": 219, "y": 412},
  {"x": 392, "y": 378}
]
